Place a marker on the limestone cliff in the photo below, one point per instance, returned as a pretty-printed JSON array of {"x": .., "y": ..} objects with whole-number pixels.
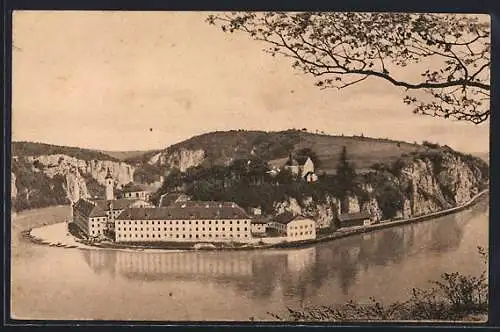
[
  {"x": 417, "y": 185},
  {"x": 45, "y": 180},
  {"x": 60, "y": 164},
  {"x": 324, "y": 213},
  {"x": 181, "y": 159}
]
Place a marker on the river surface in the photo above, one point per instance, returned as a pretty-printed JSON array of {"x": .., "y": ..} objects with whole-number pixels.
[{"x": 57, "y": 283}]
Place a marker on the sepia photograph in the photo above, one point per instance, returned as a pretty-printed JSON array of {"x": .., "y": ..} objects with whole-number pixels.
[{"x": 196, "y": 166}]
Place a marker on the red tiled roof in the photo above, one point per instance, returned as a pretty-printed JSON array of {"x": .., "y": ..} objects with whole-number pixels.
[{"x": 178, "y": 212}]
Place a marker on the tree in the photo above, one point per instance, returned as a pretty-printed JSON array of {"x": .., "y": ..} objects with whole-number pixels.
[
  {"x": 451, "y": 51},
  {"x": 346, "y": 174},
  {"x": 304, "y": 153}
]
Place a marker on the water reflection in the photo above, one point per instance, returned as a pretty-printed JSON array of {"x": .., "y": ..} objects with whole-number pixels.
[{"x": 298, "y": 273}]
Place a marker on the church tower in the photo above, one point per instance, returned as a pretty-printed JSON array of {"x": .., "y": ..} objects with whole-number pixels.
[{"x": 109, "y": 186}]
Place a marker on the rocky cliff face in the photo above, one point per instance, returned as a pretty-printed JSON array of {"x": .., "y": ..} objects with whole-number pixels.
[
  {"x": 181, "y": 159},
  {"x": 323, "y": 213},
  {"x": 421, "y": 186},
  {"x": 75, "y": 186},
  {"x": 59, "y": 179},
  {"x": 60, "y": 164}
]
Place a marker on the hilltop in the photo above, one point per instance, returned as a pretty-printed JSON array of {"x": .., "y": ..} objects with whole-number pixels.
[
  {"x": 222, "y": 147},
  {"x": 35, "y": 149}
]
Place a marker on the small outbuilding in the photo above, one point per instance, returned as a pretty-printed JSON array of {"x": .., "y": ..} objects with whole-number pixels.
[{"x": 362, "y": 218}]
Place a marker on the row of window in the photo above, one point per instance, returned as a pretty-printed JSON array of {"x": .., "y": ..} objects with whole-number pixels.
[
  {"x": 170, "y": 222},
  {"x": 301, "y": 233},
  {"x": 302, "y": 226},
  {"x": 190, "y": 236},
  {"x": 223, "y": 229}
]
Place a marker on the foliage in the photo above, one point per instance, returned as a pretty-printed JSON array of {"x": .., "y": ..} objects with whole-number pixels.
[
  {"x": 346, "y": 174},
  {"x": 147, "y": 173},
  {"x": 22, "y": 149},
  {"x": 340, "y": 49},
  {"x": 304, "y": 153},
  {"x": 454, "y": 296},
  {"x": 35, "y": 189}
]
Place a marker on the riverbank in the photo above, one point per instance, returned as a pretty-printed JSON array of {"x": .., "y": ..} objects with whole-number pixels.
[{"x": 57, "y": 235}]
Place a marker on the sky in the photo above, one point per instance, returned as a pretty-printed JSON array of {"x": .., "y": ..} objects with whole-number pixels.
[{"x": 145, "y": 80}]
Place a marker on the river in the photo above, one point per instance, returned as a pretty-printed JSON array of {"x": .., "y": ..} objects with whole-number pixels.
[{"x": 56, "y": 283}]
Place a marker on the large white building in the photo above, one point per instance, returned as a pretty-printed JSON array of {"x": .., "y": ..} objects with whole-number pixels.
[
  {"x": 96, "y": 217},
  {"x": 191, "y": 221},
  {"x": 294, "y": 227}
]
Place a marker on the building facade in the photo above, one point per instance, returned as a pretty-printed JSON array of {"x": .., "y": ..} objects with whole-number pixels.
[
  {"x": 361, "y": 218},
  {"x": 191, "y": 221},
  {"x": 294, "y": 227},
  {"x": 300, "y": 228},
  {"x": 259, "y": 225},
  {"x": 96, "y": 218},
  {"x": 135, "y": 191}
]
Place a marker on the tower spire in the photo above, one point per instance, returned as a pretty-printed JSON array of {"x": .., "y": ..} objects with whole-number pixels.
[{"x": 109, "y": 186}]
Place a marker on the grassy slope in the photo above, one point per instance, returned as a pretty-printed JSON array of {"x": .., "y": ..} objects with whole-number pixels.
[
  {"x": 223, "y": 146},
  {"x": 124, "y": 155}
]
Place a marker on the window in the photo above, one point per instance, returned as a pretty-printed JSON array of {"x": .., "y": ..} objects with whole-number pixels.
[
  {"x": 190, "y": 235},
  {"x": 231, "y": 229},
  {"x": 183, "y": 222},
  {"x": 183, "y": 228},
  {"x": 165, "y": 229},
  {"x": 171, "y": 228},
  {"x": 196, "y": 222},
  {"x": 190, "y": 222},
  {"x": 209, "y": 235},
  {"x": 223, "y": 228},
  {"x": 141, "y": 229},
  {"x": 118, "y": 228},
  {"x": 238, "y": 229},
  {"x": 136, "y": 228},
  {"x": 216, "y": 228},
  {"x": 153, "y": 235},
  {"x": 238, "y": 222},
  {"x": 210, "y": 222},
  {"x": 203, "y": 229},
  {"x": 197, "y": 236},
  {"x": 147, "y": 222},
  {"x": 177, "y": 228},
  {"x": 177, "y": 223},
  {"x": 216, "y": 222},
  {"x": 183, "y": 235},
  {"x": 176, "y": 235},
  {"x": 209, "y": 229},
  {"x": 147, "y": 235},
  {"x": 203, "y": 222},
  {"x": 231, "y": 222}
]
